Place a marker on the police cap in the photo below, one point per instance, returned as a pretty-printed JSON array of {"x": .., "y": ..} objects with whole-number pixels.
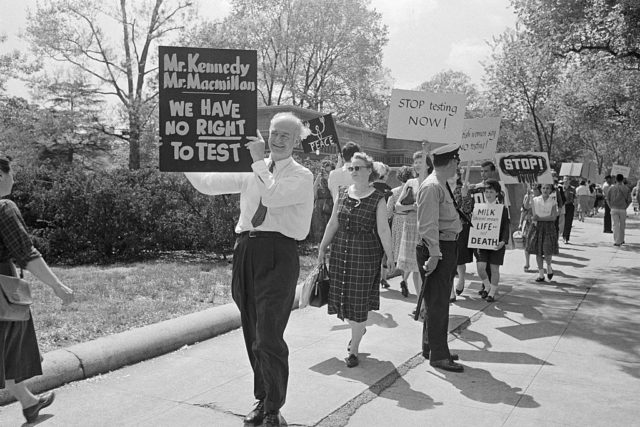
[{"x": 446, "y": 152}]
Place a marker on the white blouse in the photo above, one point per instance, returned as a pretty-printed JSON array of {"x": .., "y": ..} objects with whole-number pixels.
[{"x": 542, "y": 207}]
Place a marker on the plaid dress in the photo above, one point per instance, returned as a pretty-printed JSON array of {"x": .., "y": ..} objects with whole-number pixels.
[
  {"x": 19, "y": 353},
  {"x": 356, "y": 254}
]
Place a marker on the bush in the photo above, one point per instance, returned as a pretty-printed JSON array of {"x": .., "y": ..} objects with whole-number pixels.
[{"x": 79, "y": 217}]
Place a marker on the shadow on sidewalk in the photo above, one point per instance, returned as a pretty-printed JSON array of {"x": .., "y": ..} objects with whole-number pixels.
[
  {"x": 479, "y": 385},
  {"x": 400, "y": 391}
]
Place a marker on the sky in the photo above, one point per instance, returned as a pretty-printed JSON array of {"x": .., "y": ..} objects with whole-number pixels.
[{"x": 425, "y": 36}]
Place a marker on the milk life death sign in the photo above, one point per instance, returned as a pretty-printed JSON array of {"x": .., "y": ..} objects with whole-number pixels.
[
  {"x": 323, "y": 134},
  {"x": 208, "y": 107},
  {"x": 529, "y": 168}
]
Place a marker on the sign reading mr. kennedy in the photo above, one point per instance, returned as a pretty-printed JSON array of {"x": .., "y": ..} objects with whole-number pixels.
[
  {"x": 323, "y": 134},
  {"x": 208, "y": 106}
]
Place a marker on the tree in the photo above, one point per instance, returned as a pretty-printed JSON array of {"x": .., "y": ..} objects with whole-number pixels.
[
  {"x": 323, "y": 55},
  {"x": 457, "y": 81},
  {"x": 521, "y": 79},
  {"x": 585, "y": 27},
  {"x": 598, "y": 102},
  {"x": 78, "y": 33}
]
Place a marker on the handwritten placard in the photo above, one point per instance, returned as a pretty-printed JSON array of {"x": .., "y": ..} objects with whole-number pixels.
[
  {"x": 208, "y": 106},
  {"x": 485, "y": 233},
  {"x": 479, "y": 138},
  {"x": 419, "y": 115},
  {"x": 619, "y": 169},
  {"x": 323, "y": 134}
]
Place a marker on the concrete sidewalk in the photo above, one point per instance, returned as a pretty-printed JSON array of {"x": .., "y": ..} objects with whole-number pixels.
[{"x": 559, "y": 353}]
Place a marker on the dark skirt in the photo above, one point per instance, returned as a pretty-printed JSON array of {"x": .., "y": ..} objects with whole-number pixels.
[
  {"x": 465, "y": 255},
  {"x": 543, "y": 239},
  {"x": 19, "y": 353}
]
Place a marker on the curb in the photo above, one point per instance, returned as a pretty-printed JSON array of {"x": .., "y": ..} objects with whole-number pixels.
[{"x": 105, "y": 354}]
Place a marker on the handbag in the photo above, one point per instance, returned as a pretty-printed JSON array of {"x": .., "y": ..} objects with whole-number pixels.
[
  {"x": 408, "y": 198},
  {"x": 320, "y": 291},
  {"x": 15, "y": 298}
]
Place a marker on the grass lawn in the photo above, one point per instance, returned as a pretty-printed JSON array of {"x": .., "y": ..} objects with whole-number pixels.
[{"x": 111, "y": 299}]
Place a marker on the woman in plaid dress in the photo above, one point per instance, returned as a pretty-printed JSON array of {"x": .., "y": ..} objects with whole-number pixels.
[
  {"x": 19, "y": 353},
  {"x": 359, "y": 234}
]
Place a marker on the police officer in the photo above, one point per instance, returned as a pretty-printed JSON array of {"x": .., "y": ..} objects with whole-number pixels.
[{"x": 438, "y": 226}]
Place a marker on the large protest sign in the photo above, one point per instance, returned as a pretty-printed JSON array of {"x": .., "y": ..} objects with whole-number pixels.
[
  {"x": 530, "y": 168},
  {"x": 419, "y": 115},
  {"x": 479, "y": 139},
  {"x": 485, "y": 233},
  {"x": 323, "y": 134},
  {"x": 208, "y": 107},
  {"x": 619, "y": 169}
]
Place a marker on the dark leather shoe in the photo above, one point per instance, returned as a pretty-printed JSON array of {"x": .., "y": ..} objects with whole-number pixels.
[
  {"x": 352, "y": 361},
  {"x": 272, "y": 419},
  {"x": 447, "y": 365},
  {"x": 31, "y": 413},
  {"x": 256, "y": 416},
  {"x": 453, "y": 356}
]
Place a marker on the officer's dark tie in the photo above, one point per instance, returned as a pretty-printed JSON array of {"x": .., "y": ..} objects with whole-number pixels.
[{"x": 261, "y": 212}]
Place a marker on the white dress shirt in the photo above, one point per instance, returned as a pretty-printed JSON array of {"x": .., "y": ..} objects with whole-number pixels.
[
  {"x": 339, "y": 178},
  {"x": 287, "y": 193}
]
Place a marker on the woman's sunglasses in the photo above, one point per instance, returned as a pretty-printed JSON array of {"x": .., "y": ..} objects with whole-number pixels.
[{"x": 356, "y": 168}]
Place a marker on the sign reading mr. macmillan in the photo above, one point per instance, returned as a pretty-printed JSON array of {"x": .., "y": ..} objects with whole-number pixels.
[
  {"x": 530, "y": 168},
  {"x": 323, "y": 134},
  {"x": 208, "y": 107},
  {"x": 419, "y": 115}
]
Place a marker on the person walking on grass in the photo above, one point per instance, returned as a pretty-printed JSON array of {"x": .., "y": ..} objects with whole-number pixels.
[
  {"x": 19, "y": 354},
  {"x": 276, "y": 204},
  {"x": 544, "y": 237},
  {"x": 619, "y": 199},
  {"x": 494, "y": 258},
  {"x": 359, "y": 235}
]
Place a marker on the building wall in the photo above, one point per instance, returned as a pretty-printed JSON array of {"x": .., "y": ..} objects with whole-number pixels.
[{"x": 393, "y": 152}]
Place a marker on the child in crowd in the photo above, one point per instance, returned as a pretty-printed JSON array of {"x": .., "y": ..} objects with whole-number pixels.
[{"x": 493, "y": 257}]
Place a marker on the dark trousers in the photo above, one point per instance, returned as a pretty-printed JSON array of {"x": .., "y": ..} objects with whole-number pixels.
[
  {"x": 569, "y": 212},
  {"x": 607, "y": 218},
  {"x": 437, "y": 288},
  {"x": 265, "y": 274}
]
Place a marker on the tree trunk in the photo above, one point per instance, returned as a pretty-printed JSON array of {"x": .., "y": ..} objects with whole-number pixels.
[{"x": 134, "y": 141}]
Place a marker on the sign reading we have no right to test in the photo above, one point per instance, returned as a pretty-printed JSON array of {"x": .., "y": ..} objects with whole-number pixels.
[
  {"x": 208, "y": 108},
  {"x": 420, "y": 115}
]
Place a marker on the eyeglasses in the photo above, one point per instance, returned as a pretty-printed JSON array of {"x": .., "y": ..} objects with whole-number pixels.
[{"x": 356, "y": 168}]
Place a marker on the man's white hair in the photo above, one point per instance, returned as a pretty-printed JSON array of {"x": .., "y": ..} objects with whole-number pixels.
[{"x": 303, "y": 131}]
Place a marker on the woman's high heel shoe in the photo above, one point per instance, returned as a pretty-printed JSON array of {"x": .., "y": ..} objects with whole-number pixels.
[
  {"x": 459, "y": 291},
  {"x": 550, "y": 276},
  {"x": 403, "y": 289}
]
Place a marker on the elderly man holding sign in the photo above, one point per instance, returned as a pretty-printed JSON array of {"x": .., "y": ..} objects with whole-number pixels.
[{"x": 276, "y": 203}]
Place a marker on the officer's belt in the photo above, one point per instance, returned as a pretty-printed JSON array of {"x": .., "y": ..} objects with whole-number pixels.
[{"x": 448, "y": 236}]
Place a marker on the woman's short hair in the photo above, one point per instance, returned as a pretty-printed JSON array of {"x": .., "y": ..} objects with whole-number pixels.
[
  {"x": 404, "y": 174},
  {"x": 368, "y": 162},
  {"x": 418, "y": 155},
  {"x": 381, "y": 169},
  {"x": 494, "y": 184},
  {"x": 5, "y": 163}
]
